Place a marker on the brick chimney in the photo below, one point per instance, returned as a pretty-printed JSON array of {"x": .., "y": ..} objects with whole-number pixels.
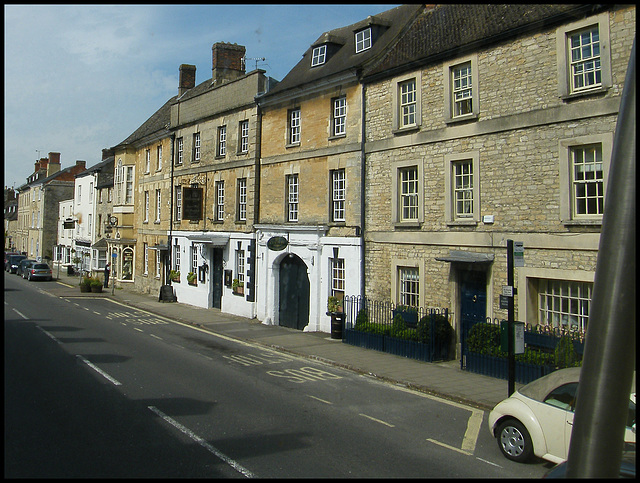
[
  {"x": 228, "y": 62},
  {"x": 54, "y": 163},
  {"x": 187, "y": 78}
]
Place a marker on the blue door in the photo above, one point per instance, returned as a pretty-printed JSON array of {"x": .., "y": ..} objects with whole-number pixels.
[{"x": 473, "y": 302}]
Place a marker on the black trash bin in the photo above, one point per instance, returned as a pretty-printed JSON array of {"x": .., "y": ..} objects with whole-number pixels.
[
  {"x": 337, "y": 323},
  {"x": 69, "y": 269}
]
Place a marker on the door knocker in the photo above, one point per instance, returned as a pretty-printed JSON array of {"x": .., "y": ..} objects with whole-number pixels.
[{"x": 475, "y": 298}]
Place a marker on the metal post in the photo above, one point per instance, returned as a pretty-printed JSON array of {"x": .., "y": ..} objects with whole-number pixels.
[{"x": 510, "y": 321}]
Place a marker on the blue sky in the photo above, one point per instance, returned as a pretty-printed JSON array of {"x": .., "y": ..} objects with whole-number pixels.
[{"x": 82, "y": 78}]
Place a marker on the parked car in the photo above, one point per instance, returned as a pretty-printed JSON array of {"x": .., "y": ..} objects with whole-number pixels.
[
  {"x": 6, "y": 257},
  {"x": 22, "y": 266},
  {"x": 38, "y": 271},
  {"x": 538, "y": 418},
  {"x": 12, "y": 263}
]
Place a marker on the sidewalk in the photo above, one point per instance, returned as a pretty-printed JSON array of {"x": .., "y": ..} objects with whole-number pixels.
[{"x": 444, "y": 379}]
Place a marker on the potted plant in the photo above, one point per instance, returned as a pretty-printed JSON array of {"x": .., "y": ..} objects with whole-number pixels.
[
  {"x": 237, "y": 286},
  {"x": 335, "y": 310},
  {"x": 96, "y": 285},
  {"x": 85, "y": 284},
  {"x": 191, "y": 278},
  {"x": 334, "y": 305},
  {"x": 174, "y": 275}
]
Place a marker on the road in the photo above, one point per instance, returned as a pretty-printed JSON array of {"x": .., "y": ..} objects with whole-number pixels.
[{"x": 94, "y": 388}]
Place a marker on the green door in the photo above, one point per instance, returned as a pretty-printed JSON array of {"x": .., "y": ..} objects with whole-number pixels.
[{"x": 294, "y": 293}]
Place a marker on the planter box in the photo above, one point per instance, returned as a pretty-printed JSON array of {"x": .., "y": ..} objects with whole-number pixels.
[
  {"x": 96, "y": 289},
  {"x": 407, "y": 348},
  {"x": 364, "y": 339},
  {"x": 498, "y": 367},
  {"x": 85, "y": 288}
]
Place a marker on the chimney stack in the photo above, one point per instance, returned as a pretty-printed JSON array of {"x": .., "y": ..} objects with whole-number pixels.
[
  {"x": 228, "y": 62},
  {"x": 187, "y": 78},
  {"x": 53, "y": 163}
]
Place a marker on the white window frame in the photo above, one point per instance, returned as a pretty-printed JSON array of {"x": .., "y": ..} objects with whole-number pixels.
[
  {"x": 338, "y": 278},
  {"x": 397, "y": 290},
  {"x": 293, "y": 197},
  {"x": 158, "y": 263},
  {"x": 90, "y": 193},
  {"x": 242, "y": 199},
  {"x": 158, "y": 205},
  {"x": 196, "y": 147},
  {"x": 339, "y": 116},
  {"x": 159, "y": 154},
  {"x": 240, "y": 266},
  {"x": 145, "y": 248},
  {"x": 294, "y": 126},
  {"x": 408, "y": 101},
  {"x": 397, "y": 119},
  {"x": 566, "y": 88},
  {"x": 194, "y": 259},
  {"x": 146, "y": 207},
  {"x": 397, "y": 195},
  {"x": 178, "y": 213},
  {"x": 473, "y": 158},
  {"x": 567, "y": 200},
  {"x": 450, "y": 90},
  {"x": 319, "y": 55},
  {"x": 128, "y": 193},
  {"x": 176, "y": 256},
  {"x": 463, "y": 180},
  {"x": 363, "y": 40},
  {"x": 564, "y": 303},
  {"x": 222, "y": 140},
  {"x": 338, "y": 195},
  {"x": 147, "y": 161},
  {"x": 244, "y": 136},
  {"x": 219, "y": 200},
  {"x": 180, "y": 151}
]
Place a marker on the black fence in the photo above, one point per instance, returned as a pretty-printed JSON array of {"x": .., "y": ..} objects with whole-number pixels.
[
  {"x": 482, "y": 354},
  {"x": 420, "y": 333}
]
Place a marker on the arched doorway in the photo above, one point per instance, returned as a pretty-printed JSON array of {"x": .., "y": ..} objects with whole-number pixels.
[{"x": 293, "y": 306}]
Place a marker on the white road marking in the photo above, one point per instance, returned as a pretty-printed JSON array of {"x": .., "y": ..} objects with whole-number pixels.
[
  {"x": 449, "y": 447},
  {"x": 235, "y": 465},
  {"x": 139, "y": 330},
  {"x": 21, "y": 315},
  {"x": 318, "y": 399},
  {"x": 488, "y": 462},
  {"x": 472, "y": 432},
  {"x": 377, "y": 420},
  {"x": 157, "y": 337},
  {"x": 49, "y": 334},
  {"x": 99, "y": 371}
]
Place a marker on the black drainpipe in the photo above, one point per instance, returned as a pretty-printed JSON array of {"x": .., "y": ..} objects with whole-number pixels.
[
  {"x": 362, "y": 189},
  {"x": 169, "y": 248}
]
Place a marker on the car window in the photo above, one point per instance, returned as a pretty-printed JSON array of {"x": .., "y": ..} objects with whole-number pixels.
[
  {"x": 563, "y": 397},
  {"x": 40, "y": 265},
  {"x": 631, "y": 416}
]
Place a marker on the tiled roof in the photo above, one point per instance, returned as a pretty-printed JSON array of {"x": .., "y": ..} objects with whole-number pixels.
[
  {"x": 158, "y": 121},
  {"x": 449, "y": 30},
  {"x": 346, "y": 58}
]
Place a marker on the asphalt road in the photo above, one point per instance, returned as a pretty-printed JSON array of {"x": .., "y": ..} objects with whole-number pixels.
[{"x": 97, "y": 389}]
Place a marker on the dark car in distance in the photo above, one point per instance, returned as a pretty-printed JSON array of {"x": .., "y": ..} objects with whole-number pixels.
[
  {"x": 12, "y": 263},
  {"x": 22, "y": 266}
]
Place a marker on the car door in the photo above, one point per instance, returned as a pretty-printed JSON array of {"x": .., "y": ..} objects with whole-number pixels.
[{"x": 556, "y": 418}]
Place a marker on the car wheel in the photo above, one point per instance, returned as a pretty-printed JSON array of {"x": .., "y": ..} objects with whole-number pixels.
[
  {"x": 514, "y": 441},
  {"x": 29, "y": 277}
]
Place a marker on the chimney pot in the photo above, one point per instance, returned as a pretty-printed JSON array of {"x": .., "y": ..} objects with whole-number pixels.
[
  {"x": 187, "y": 78},
  {"x": 227, "y": 62}
]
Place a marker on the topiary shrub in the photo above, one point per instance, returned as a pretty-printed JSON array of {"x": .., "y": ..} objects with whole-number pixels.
[
  {"x": 564, "y": 354},
  {"x": 484, "y": 339}
]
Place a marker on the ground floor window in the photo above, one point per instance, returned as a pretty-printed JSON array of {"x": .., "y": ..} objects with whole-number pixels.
[
  {"x": 409, "y": 286},
  {"x": 337, "y": 277},
  {"x": 564, "y": 304}
]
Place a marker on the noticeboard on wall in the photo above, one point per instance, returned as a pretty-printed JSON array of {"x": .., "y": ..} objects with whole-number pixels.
[{"x": 192, "y": 204}]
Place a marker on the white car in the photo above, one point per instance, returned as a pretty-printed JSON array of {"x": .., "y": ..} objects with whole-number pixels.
[{"x": 538, "y": 418}]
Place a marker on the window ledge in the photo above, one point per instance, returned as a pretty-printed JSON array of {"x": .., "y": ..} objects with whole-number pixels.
[
  {"x": 581, "y": 94},
  {"x": 586, "y": 222},
  {"x": 407, "y": 224},
  {"x": 465, "y": 118},
  {"x": 405, "y": 130},
  {"x": 338, "y": 136},
  {"x": 462, "y": 223},
  {"x": 292, "y": 145}
]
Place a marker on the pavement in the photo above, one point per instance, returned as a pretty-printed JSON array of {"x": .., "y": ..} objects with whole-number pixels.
[{"x": 443, "y": 379}]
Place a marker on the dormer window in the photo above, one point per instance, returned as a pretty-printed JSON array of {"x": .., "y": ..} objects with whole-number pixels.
[
  {"x": 319, "y": 55},
  {"x": 363, "y": 40}
]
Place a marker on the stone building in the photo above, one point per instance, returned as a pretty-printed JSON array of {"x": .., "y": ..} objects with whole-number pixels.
[
  {"x": 309, "y": 231},
  {"x": 10, "y": 218},
  {"x": 486, "y": 123},
  {"x": 215, "y": 127},
  {"x": 136, "y": 228},
  {"x": 38, "y": 199}
]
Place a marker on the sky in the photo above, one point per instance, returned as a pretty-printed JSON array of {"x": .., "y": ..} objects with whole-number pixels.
[{"x": 78, "y": 79}]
